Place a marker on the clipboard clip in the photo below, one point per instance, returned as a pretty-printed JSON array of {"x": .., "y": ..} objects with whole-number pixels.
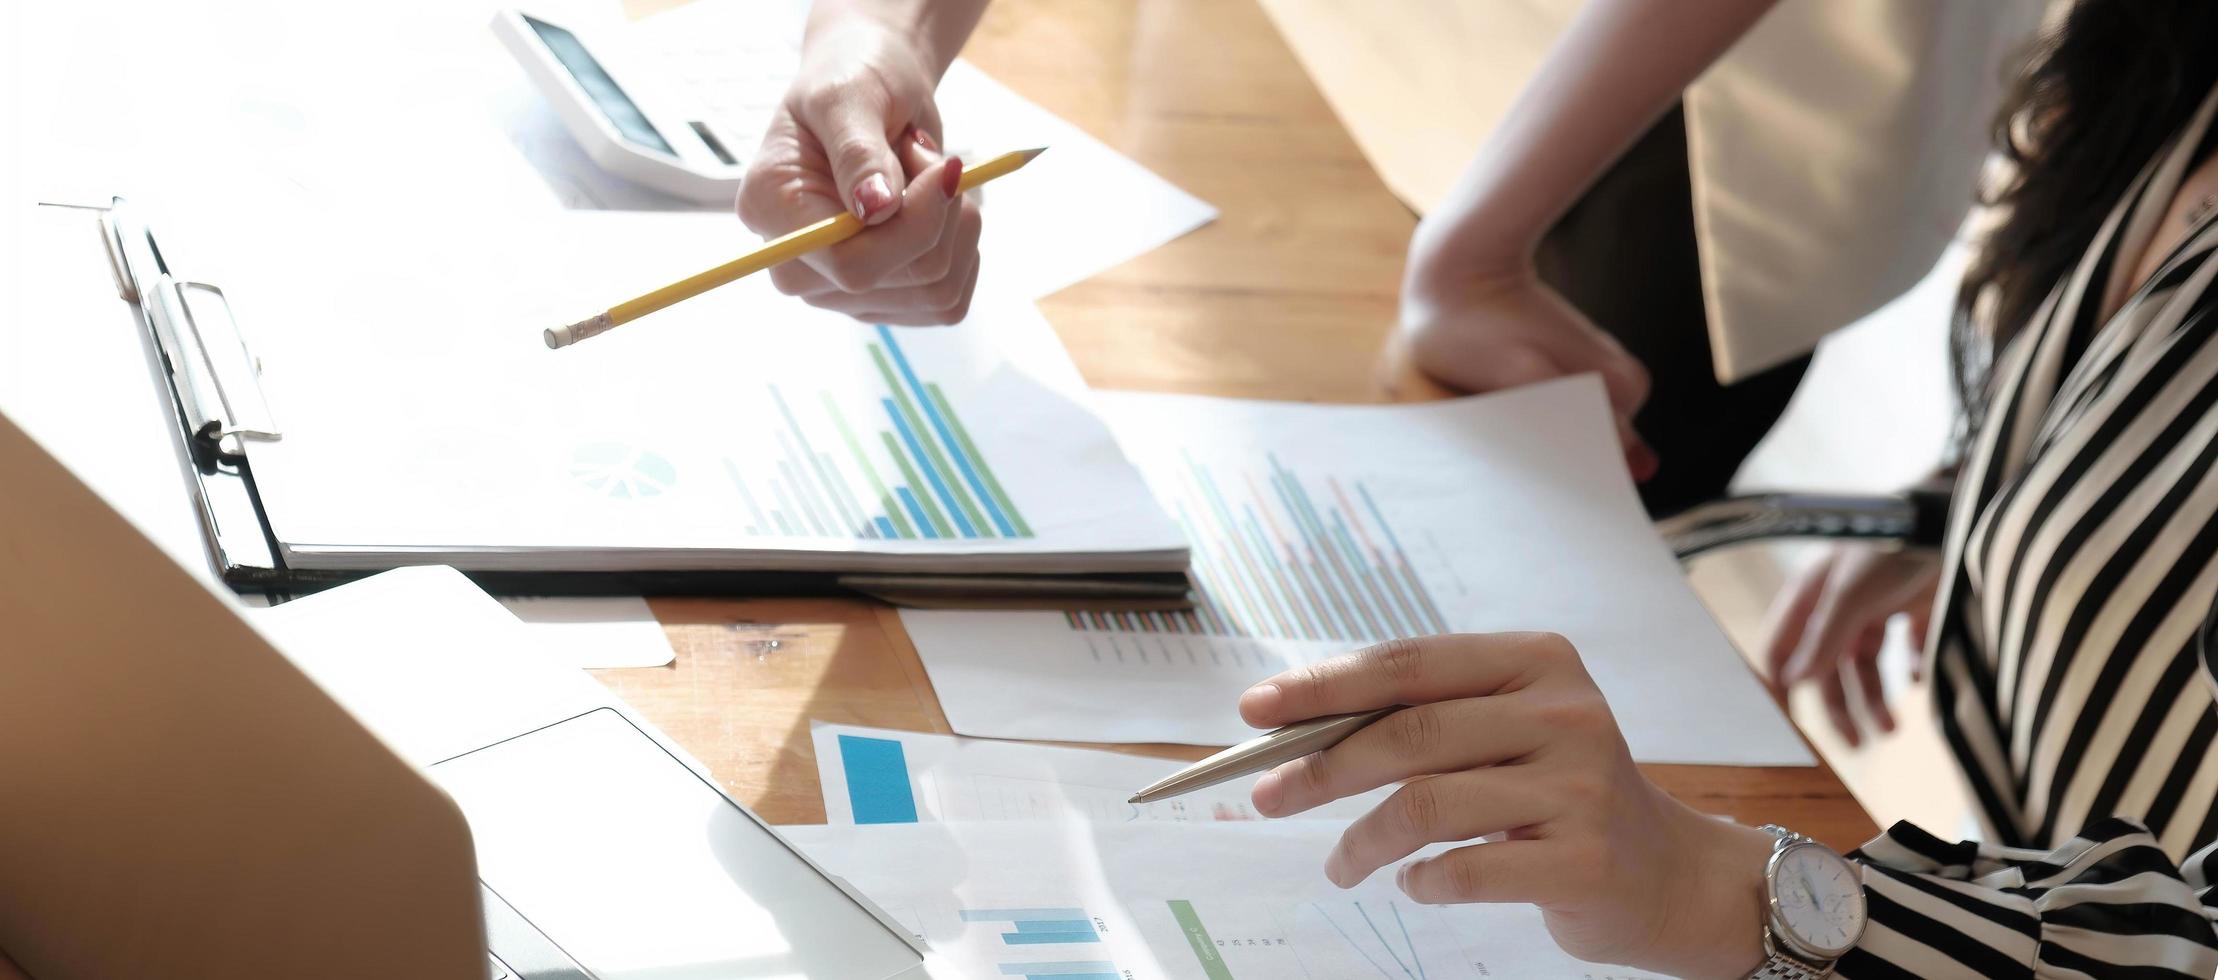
[{"x": 214, "y": 375}]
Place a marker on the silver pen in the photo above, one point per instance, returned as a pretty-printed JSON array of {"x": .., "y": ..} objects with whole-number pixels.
[{"x": 1263, "y": 752}]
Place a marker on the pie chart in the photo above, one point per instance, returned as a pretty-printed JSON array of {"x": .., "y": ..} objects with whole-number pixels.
[{"x": 622, "y": 472}]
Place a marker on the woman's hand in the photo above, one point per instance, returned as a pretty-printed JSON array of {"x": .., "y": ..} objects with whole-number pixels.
[
  {"x": 858, "y": 131},
  {"x": 1506, "y": 734},
  {"x": 1829, "y": 624},
  {"x": 1480, "y": 331}
]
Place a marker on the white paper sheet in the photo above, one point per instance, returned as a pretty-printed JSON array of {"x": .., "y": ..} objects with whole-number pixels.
[
  {"x": 1078, "y": 210},
  {"x": 595, "y": 631},
  {"x": 294, "y": 104},
  {"x": 429, "y": 662},
  {"x": 1318, "y": 529},
  {"x": 425, "y": 421},
  {"x": 874, "y": 776},
  {"x": 1163, "y": 901}
]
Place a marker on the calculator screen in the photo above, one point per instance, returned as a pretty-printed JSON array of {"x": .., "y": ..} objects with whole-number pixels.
[{"x": 621, "y": 111}]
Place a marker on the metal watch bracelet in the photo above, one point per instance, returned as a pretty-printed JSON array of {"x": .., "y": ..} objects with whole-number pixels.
[{"x": 1779, "y": 964}]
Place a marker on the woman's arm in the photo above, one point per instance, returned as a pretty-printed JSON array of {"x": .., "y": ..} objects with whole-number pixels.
[
  {"x": 936, "y": 29},
  {"x": 1474, "y": 314},
  {"x": 1506, "y": 734},
  {"x": 859, "y": 131},
  {"x": 1618, "y": 67}
]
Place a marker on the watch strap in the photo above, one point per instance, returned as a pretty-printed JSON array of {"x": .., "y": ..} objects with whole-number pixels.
[{"x": 1781, "y": 966}]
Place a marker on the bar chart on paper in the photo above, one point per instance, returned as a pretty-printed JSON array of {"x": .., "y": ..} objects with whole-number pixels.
[
  {"x": 877, "y": 776},
  {"x": 1279, "y": 557},
  {"x": 1064, "y": 928},
  {"x": 905, "y": 468},
  {"x": 1316, "y": 530},
  {"x": 1162, "y": 901}
]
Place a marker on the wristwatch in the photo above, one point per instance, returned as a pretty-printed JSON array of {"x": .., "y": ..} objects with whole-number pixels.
[{"x": 1813, "y": 908}]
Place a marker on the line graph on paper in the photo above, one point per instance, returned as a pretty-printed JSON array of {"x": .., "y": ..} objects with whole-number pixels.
[{"x": 1352, "y": 940}]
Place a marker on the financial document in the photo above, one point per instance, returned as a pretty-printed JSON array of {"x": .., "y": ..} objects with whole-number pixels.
[
  {"x": 1164, "y": 901},
  {"x": 424, "y": 420},
  {"x": 876, "y": 776},
  {"x": 1320, "y": 529}
]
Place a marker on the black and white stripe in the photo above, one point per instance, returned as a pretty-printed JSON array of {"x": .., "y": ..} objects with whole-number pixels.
[{"x": 2082, "y": 565}]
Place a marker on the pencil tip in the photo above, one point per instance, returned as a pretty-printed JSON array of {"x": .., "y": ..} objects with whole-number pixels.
[{"x": 1030, "y": 154}]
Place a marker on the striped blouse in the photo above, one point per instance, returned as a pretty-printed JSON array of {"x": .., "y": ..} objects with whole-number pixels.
[{"x": 2081, "y": 564}]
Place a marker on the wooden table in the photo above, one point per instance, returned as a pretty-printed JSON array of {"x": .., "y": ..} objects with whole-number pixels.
[{"x": 1289, "y": 295}]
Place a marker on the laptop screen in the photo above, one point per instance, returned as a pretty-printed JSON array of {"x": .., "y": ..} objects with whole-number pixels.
[{"x": 638, "y": 869}]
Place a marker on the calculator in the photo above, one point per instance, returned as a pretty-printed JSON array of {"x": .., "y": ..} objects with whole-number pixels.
[{"x": 682, "y": 119}]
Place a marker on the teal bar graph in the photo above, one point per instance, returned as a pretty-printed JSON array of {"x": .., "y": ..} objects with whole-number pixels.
[
  {"x": 1065, "y": 970},
  {"x": 1277, "y": 555},
  {"x": 923, "y": 478},
  {"x": 1036, "y": 927}
]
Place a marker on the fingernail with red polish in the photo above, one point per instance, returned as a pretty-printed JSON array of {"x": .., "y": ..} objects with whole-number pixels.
[
  {"x": 872, "y": 197},
  {"x": 1643, "y": 462},
  {"x": 951, "y": 180}
]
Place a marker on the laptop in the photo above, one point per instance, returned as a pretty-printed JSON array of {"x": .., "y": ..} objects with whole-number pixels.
[{"x": 381, "y": 781}]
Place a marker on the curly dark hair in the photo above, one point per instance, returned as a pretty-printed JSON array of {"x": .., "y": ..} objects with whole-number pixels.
[{"x": 2100, "y": 93}]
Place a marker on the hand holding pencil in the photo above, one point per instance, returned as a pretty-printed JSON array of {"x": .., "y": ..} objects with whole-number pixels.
[{"x": 779, "y": 253}]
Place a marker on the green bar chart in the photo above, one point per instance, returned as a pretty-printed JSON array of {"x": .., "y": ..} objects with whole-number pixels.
[
  {"x": 1278, "y": 556},
  {"x": 902, "y": 466}
]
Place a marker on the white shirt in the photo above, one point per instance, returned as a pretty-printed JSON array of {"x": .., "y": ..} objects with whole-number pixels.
[{"x": 1834, "y": 152}]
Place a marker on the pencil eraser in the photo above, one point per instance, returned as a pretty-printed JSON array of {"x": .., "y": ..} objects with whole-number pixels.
[{"x": 564, "y": 336}]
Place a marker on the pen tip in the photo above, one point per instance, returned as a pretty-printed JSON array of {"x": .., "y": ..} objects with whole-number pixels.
[{"x": 1136, "y": 799}]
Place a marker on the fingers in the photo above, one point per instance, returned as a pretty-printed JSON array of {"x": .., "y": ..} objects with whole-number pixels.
[
  {"x": 945, "y": 280},
  {"x": 931, "y": 313},
  {"x": 1454, "y": 807},
  {"x": 1866, "y": 662},
  {"x": 1509, "y": 367},
  {"x": 1835, "y": 619},
  {"x": 1790, "y": 618},
  {"x": 1410, "y": 671},
  {"x": 1833, "y": 689},
  {"x": 1507, "y": 871},
  {"x": 1447, "y": 736},
  {"x": 903, "y": 250},
  {"x": 850, "y": 122}
]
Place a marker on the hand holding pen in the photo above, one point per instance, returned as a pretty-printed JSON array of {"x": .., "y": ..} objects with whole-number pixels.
[{"x": 1507, "y": 734}]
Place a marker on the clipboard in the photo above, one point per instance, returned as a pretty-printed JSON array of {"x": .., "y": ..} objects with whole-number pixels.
[{"x": 216, "y": 400}]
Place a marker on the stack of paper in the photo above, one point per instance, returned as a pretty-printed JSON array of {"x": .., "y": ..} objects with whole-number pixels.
[
  {"x": 874, "y": 776},
  {"x": 1025, "y": 861},
  {"x": 393, "y": 255},
  {"x": 1320, "y": 529},
  {"x": 1169, "y": 901},
  {"x": 424, "y": 421}
]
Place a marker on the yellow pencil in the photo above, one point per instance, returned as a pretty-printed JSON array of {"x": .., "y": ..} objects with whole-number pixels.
[{"x": 823, "y": 234}]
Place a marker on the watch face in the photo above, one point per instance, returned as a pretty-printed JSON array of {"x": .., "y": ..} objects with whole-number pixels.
[{"x": 1817, "y": 900}]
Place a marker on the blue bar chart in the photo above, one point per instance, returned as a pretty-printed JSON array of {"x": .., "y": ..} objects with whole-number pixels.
[
  {"x": 1276, "y": 556},
  {"x": 1066, "y": 970},
  {"x": 1033, "y": 927},
  {"x": 877, "y": 774},
  {"x": 923, "y": 478}
]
